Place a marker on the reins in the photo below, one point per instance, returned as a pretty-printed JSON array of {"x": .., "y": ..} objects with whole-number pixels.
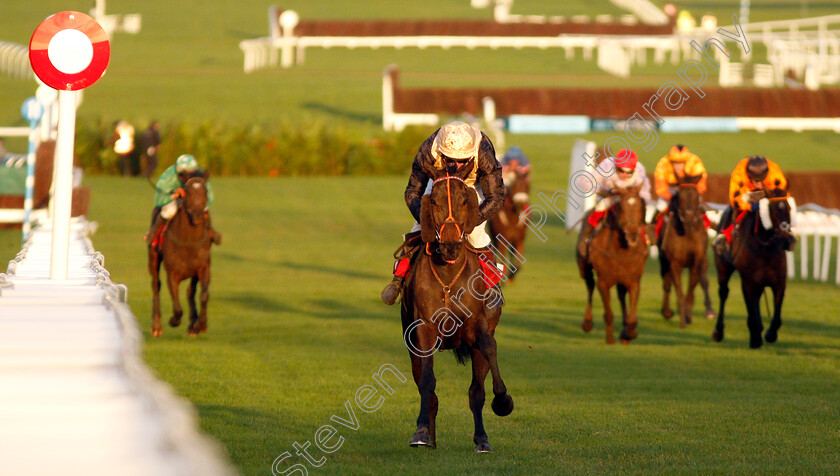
[
  {"x": 450, "y": 219},
  {"x": 447, "y": 288}
]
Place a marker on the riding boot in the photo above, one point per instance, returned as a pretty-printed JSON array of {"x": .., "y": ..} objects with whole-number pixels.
[
  {"x": 494, "y": 275},
  {"x": 720, "y": 245},
  {"x": 404, "y": 256},
  {"x": 392, "y": 290},
  {"x": 150, "y": 235}
]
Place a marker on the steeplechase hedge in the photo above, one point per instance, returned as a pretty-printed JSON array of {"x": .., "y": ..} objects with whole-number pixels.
[{"x": 284, "y": 148}]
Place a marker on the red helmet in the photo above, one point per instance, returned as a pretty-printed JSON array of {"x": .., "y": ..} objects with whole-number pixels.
[{"x": 626, "y": 159}]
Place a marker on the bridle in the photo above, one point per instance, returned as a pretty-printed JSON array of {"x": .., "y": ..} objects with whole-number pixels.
[
  {"x": 698, "y": 217},
  {"x": 783, "y": 227},
  {"x": 628, "y": 235},
  {"x": 450, "y": 219}
]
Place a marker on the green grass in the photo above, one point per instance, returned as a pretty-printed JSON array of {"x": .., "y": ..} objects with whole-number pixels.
[{"x": 296, "y": 327}]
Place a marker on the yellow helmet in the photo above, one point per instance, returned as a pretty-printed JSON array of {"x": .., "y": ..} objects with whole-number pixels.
[{"x": 679, "y": 153}]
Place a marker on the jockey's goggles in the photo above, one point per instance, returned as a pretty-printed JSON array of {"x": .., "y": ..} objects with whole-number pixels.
[
  {"x": 625, "y": 170},
  {"x": 458, "y": 161}
]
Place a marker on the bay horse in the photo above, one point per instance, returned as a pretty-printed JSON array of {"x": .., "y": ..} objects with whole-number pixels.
[
  {"x": 617, "y": 254},
  {"x": 506, "y": 223},
  {"x": 185, "y": 254},
  {"x": 757, "y": 252},
  {"x": 446, "y": 305},
  {"x": 683, "y": 244}
]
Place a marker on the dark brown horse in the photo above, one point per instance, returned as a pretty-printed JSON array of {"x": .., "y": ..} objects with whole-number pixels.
[
  {"x": 506, "y": 223},
  {"x": 617, "y": 253},
  {"x": 757, "y": 252},
  {"x": 683, "y": 244},
  {"x": 446, "y": 305},
  {"x": 185, "y": 254}
]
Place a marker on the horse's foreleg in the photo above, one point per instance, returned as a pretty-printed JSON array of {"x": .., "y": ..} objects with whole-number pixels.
[
  {"x": 704, "y": 283},
  {"x": 589, "y": 278},
  {"x": 622, "y": 299},
  {"x": 665, "y": 271},
  {"x": 724, "y": 272},
  {"x": 693, "y": 279},
  {"x": 172, "y": 281},
  {"x": 631, "y": 321},
  {"x": 604, "y": 290},
  {"x": 676, "y": 276},
  {"x": 424, "y": 377},
  {"x": 198, "y": 318},
  {"x": 480, "y": 367},
  {"x": 752, "y": 298},
  {"x": 778, "y": 296},
  {"x": 154, "y": 270},
  {"x": 502, "y": 402}
]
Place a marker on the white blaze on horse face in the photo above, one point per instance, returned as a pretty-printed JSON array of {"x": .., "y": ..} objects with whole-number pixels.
[
  {"x": 631, "y": 200},
  {"x": 196, "y": 185}
]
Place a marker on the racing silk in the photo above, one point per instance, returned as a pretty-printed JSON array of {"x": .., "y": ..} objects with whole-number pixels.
[
  {"x": 608, "y": 181},
  {"x": 168, "y": 183},
  {"x": 740, "y": 184},
  {"x": 487, "y": 173},
  {"x": 665, "y": 178}
]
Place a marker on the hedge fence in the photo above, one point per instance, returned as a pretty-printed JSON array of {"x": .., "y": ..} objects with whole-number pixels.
[{"x": 283, "y": 148}]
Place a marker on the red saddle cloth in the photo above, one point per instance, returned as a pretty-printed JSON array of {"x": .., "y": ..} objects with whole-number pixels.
[
  {"x": 727, "y": 232},
  {"x": 158, "y": 241},
  {"x": 492, "y": 274}
]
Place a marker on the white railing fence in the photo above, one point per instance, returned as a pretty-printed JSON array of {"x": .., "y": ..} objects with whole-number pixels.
[{"x": 14, "y": 61}]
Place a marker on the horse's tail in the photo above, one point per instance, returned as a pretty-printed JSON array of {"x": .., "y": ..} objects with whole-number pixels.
[{"x": 463, "y": 354}]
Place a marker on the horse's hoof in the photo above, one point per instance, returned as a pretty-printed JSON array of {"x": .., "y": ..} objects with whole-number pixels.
[
  {"x": 174, "y": 322},
  {"x": 156, "y": 332},
  {"x": 627, "y": 336},
  {"x": 483, "y": 447},
  {"x": 717, "y": 336},
  {"x": 710, "y": 314},
  {"x": 771, "y": 336},
  {"x": 586, "y": 326},
  {"x": 421, "y": 438},
  {"x": 502, "y": 405},
  {"x": 756, "y": 342},
  {"x": 688, "y": 319},
  {"x": 667, "y": 314},
  {"x": 624, "y": 341}
]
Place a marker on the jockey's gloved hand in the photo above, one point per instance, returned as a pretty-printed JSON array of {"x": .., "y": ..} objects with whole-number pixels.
[
  {"x": 754, "y": 206},
  {"x": 661, "y": 205}
]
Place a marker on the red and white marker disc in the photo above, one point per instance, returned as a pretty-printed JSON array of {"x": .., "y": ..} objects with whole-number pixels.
[{"x": 69, "y": 51}]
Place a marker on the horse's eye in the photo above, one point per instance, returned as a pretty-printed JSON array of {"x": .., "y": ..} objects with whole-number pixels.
[
  {"x": 465, "y": 202},
  {"x": 432, "y": 201}
]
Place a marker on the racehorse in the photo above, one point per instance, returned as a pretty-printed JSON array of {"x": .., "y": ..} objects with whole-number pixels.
[
  {"x": 506, "y": 223},
  {"x": 617, "y": 253},
  {"x": 757, "y": 252},
  {"x": 446, "y": 305},
  {"x": 682, "y": 245},
  {"x": 185, "y": 254}
]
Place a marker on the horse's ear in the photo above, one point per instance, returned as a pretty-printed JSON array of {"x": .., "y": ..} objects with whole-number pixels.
[
  {"x": 427, "y": 227},
  {"x": 466, "y": 170},
  {"x": 472, "y": 218}
]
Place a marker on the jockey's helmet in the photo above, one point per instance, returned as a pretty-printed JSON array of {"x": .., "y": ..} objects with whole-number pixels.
[
  {"x": 186, "y": 163},
  {"x": 679, "y": 153},
  {"x": 627, "y": 160},
  {"x": 456, "y": 140},
  {"x": 757, "y": 169}
]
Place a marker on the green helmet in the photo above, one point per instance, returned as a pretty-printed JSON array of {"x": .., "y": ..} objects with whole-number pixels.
[{"x": 186, "y": 163}]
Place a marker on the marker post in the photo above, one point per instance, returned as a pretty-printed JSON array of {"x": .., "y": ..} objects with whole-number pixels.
[
  {"x": 32, "y": 111},
  {"x": 68, "y": 51}
]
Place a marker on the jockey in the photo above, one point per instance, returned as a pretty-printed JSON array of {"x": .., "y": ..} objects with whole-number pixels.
[
  {"x": 169, "y": 187},
  {"x": 515, "y": 161},
  {"x": 669, "y": 170},
  {"x": 628, "y": 172},
  {"x": 751, "y": 177},
  {"x": 451, "y": 147}
]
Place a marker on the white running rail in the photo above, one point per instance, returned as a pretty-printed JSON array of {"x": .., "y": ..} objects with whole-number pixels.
[{"x": 75, "y": 396}]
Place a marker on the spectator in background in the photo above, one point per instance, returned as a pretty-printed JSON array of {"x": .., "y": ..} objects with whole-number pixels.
[
  {"x": 124, "y": 147},
  {"x": 3, "y": 151},
  {"x": 149, "y": 143}
]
